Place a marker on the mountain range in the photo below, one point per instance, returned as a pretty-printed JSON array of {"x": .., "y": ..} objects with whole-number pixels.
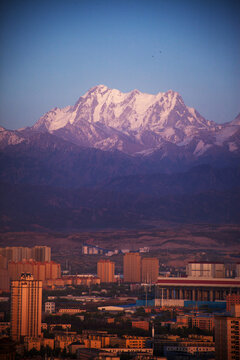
[
  {"x": 134, "y": 123},
  {"x": 120, "y": 159}
]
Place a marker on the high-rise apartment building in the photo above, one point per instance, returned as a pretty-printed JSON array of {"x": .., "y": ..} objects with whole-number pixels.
[
  {"x": 19, "y": 253},
  {"x": 3, "y": 262},
  {"x": 227, "y": 335},
  {"x": 16, "y": 253},
  {"x": 40, "y": 270},
  {"x": 4, "y": 280},
  {"x": 42, "y": 253},
  {"x": 106, "y": 271},
  {"x": 132, "y": 267},
  {"x": 26, "y": 307},
  {"x": 150, "y": 270}
]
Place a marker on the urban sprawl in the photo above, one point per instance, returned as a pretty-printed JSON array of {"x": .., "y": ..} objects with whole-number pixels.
[{"x": 47, "y": 312}]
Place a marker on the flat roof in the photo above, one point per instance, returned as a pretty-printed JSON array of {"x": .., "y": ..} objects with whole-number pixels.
[
  {"x": 194, "y": 282},
  {"x": 206, "y": 262}
]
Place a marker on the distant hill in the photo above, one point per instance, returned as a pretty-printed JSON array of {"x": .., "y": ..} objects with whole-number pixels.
[{"x": 158, "y": 198}]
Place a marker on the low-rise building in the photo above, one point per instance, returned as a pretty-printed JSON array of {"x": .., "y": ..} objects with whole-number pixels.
[
  {"x": 4, "y": 326},
  {"x": 202, "y": 321},
  {"x": 141, "y": 324},
  {"x": 92, "y": 343},
  {"x": 88, "y": 249},
  {"x": 200, "y": 349},
  {"x": 135, "y": 342},
  {"x": 168, "y": 344},
  {"x": 128, "y": 350},
  {"x": 50, "y": 307},
  {"x": 48, "y": 342},
  {"x": 86, "y": 279},
  {"x": 182, "y": 321},
  {"x": 199, "y": 320},
  {"x": 232, "y": 299},
  {"x": 70, "y": 311},
  {"x": 73, "y": 348},
  {"x": 95, "y": 354},
  {"x": 63, "y": 326},
  {"x": 63, "y": 341},
  {"x": 103, "y": 337},
  {"x": 30, "y": 343}
]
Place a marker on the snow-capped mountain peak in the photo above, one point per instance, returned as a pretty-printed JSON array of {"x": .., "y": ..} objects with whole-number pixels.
[
  {"x": 110, "y": 119},
  {"x": 126, "y": 111}
]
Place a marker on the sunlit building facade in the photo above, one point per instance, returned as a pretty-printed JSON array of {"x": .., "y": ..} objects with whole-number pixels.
[
  {"x": 106, "y": 271},
  {"x": 41, "y": 253},
  {"x": 227, "y": 335},
  {"x": 40, "y": 270},
  {"x": 150, "y": 270},
  {"x": 132, "y": 267},
  {"x": 19, "y": 253},
  {"x": 26, "y": 307}
]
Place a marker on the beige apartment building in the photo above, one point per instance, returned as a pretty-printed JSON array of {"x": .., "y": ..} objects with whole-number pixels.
[
  {"x": 227, "y": 335},
  {"x": 40, "y": 270},
  {"x": 150, "y": 270},
  {"x": 19, "y": 253},
  {"x": 132, "y": 267},
  {"x": 106, "y": 271},
  {"x": 26, "y": 307},
  {"x": 41, "y": 253}
]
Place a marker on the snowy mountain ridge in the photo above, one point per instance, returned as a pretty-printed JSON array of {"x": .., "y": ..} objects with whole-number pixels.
[
  {"x": 132, "y": 111},
  {"x": 134, "y": 123}
]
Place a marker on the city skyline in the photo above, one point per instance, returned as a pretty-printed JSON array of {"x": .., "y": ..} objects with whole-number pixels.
[
  {"x": 148, "y": 310},
  {"x": 53, "y": 52}
]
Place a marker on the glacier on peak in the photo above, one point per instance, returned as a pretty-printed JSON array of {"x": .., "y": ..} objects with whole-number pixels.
[{"x": 132, "y": 121}]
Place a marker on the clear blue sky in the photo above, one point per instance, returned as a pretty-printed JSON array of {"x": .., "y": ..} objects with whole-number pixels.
[{"x": 52, "y": 52}]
